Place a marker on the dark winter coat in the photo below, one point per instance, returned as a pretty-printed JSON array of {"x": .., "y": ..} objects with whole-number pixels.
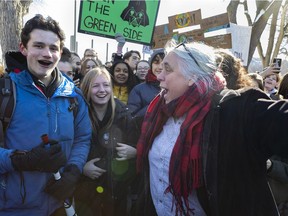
[
  {"x": 119, "y": 173},
  {"x": 278, "y": 181},
  {"x": 240, "y": 134}
]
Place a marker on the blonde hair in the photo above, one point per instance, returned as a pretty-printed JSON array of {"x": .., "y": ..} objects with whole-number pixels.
[
  {"x": 86, "y": 86},
  {"x": 2, "y": 71}
]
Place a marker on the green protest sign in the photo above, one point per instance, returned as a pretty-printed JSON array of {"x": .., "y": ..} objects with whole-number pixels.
[{"x": 135, "y": 19}]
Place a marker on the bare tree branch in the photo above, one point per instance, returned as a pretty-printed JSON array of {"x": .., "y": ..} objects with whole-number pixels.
[
  {"x": 260, "y": 24},
  {"x": 261, "y": 6},
  {"x": 246, "y": 12},
  {"x": 282, "y": 30},
  {"x": 271, "y": 39},
  {"x": 232, "y": 11},
  {"x": 249, "y": 20},
  {"x": 260, "y": 52}
]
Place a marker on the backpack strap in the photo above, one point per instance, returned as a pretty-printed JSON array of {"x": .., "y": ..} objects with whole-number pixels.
[
  {"x": 7, "y": 98},
  {"x": 73, "y": 106},
  {"x": 74, "y": 102}
]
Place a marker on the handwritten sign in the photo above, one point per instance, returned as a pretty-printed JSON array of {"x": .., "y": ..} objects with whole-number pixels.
[
  {"x": 185, "y": 19},
  {"x": 194, "y": 35},
  {"x": 209, "y": 24},
  {"x": 219, "y": 41},
  {"x": 241, "y": 36},
  {"x": 135, "y": 19},
  {"x": 162, "y": 29},
  {"x": 159, "y": 41}
]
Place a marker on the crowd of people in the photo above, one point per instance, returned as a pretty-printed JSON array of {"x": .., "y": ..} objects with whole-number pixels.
[{"x": 188, "y": 132}]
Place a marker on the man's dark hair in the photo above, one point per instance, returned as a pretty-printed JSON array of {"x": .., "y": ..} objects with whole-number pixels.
[
  {"x": 46, "y": 24},
  {"x": 128, "y": 54},
  {"x": 74, "y": 54},
  {"x": 66, "y": 55}
]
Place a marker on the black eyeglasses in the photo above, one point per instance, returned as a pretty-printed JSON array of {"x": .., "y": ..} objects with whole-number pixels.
[{"x": 189, "y": 53}]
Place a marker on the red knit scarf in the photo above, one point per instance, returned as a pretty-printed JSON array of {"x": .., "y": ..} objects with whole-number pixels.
[
  {"x": 185, "y": 171},
  {"x": 150, "y": 77}
]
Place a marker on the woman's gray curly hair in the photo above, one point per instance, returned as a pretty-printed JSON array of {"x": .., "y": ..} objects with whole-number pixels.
[{"x": 200, "y": 66}]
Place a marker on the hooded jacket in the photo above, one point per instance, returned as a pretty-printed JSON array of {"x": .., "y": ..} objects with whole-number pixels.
[
  {"x": 35, "y": 115},
  {"x": 15, "y": 61},
  {"x": 141, "y": 96},
  {"x": 143, "y": 93}
]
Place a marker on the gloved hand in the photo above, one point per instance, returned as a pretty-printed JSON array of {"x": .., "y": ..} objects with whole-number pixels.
[
  {"x": 40, "y": 158},
  {"x": 121, "y": 41},
  {"x": 64, "y": 187}
]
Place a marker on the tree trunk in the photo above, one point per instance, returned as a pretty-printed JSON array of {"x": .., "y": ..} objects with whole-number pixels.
[{"x": 11, "y": 23}]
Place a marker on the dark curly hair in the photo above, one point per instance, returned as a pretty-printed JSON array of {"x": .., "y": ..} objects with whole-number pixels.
[
  {"x": 232, "y": 70},
  {"x": 131, "y": 82},
  {"x": 46, "y": 24},
  {"x": 283, "y": 86},
  {"x": 128, "y": 54}
]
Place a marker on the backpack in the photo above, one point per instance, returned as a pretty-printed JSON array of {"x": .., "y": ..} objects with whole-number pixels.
[{"x": 8, "y": 101}]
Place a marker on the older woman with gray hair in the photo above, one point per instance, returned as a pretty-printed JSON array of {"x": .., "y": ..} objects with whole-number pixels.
[{"x": 203, "y": 148}]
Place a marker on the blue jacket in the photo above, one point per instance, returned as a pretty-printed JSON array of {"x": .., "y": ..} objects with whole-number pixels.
[
  {"x": 34, "y": 115},
  {"x": 141, "y": 96}
]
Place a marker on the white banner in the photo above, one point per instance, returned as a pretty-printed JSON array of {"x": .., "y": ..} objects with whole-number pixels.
[{"x": 241, "y": 36}]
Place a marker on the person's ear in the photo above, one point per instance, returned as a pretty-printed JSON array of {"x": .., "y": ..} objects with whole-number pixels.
[
  {"x": 23, "y": 49},
  {"x": 190, "y": 82}
]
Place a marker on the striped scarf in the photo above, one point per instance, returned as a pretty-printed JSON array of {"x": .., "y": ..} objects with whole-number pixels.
[
  {"x": 185, "y": 171},
  {"x": 150, "y": 77}
]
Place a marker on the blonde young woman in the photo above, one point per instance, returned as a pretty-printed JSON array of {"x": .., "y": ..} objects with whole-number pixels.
[{"x": 111, "y": 162}]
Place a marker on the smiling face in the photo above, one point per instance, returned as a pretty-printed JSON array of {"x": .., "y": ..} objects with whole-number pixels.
[
  {"x": 43, "y": 53},
  {"x": 270, "y": 82},
  {"x": 156, "y": 68},
  {"x": 100, "y": 90},
  {"x": 121, "y": 73},
  {"x": 172, "y": 81}
]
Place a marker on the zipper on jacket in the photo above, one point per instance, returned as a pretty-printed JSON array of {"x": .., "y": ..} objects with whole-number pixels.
[{"x": 56, "y": 118}]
